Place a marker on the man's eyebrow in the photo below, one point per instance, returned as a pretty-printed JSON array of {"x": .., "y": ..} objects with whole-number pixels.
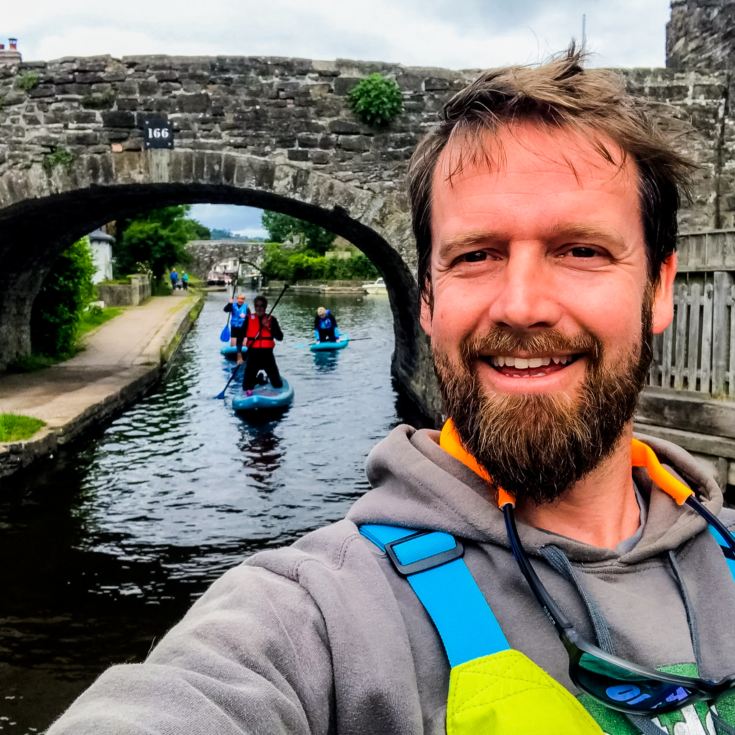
[
  {"x": 468, "y": 239},
  {"x": 555, "y": 232}
]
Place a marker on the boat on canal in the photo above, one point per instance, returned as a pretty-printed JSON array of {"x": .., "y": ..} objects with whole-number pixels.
[
  {"x": 375, "y": 287},
  {"x": 263, "y": 399},
  {"x": 339, "y": 344}
]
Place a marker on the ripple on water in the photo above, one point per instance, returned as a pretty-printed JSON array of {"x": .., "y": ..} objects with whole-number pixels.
[{"x": 176, "y": 491}]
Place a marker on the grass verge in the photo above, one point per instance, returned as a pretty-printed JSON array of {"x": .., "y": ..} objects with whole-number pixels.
[
  {"x": 95, "y": 317},
  {"x": 14, "y": 427}
]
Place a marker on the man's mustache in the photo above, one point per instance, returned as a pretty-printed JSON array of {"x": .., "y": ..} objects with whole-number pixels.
[{"x": 502, "y": 341}]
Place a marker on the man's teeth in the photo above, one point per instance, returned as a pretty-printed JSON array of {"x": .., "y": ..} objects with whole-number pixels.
[{"x": 523, "y": 363}]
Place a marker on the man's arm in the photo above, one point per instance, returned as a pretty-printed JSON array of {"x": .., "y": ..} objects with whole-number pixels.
[
  {"x": 275, "y": 328},
  {"x": 249, "y": 657},
  {"x": 228, "y": 307}
]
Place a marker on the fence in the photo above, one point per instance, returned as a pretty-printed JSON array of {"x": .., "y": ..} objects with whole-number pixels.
[{"x": 697, "y": 352}]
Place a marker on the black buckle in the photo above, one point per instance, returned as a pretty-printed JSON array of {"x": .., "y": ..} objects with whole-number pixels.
[{"x": 435, "y": 560}]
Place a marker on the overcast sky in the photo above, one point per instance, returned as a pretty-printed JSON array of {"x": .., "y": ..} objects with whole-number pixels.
[{"x": 456, "y": 34}]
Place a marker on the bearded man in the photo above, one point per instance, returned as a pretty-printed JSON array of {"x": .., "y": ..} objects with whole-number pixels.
[{"x": 532, "y": 568}]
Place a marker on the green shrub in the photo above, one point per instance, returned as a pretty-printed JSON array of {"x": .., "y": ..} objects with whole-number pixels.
[
  {"x": 57, "y": 157},
  {"x": 300, "y": 265},
  {"x": 14, "y": 427},
  {"x": 60, "y": 304},
  {"x": 27, "y": 81},
  {"x": 376, "y": 100}
]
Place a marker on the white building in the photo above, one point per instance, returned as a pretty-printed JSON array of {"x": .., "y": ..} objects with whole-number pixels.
[{"x": 101, "y": 245}]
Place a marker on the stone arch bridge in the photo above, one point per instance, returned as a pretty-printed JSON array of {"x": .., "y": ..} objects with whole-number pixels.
[{"x": 274, "y": 133}]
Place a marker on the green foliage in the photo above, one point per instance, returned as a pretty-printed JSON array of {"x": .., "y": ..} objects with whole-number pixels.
[
  {"x": 15, "y": 427},
  {"x": 281, "y": 227},
  {"x": 60, "y": 303},
  {"x": 27, "y": 81},
  {"x": 295, "y": 265},
  {"x": 376, "y": 100},
  {"x": 57, "y": 157},
  {"x": 155, "y": 241},
  {"x": 99, "y": 100}
]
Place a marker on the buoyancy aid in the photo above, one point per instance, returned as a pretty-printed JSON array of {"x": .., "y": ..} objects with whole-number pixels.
[
  {"x": 239, "y": 314},
  {"x": 493, "y": 688},
  {"x": 257, "y": 335}
]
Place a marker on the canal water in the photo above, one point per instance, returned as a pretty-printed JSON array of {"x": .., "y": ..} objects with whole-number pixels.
[{"x": 106, "y": 548}]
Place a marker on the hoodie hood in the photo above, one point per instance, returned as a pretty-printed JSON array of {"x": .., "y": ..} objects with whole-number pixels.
[{"x": 416, "y": 484}]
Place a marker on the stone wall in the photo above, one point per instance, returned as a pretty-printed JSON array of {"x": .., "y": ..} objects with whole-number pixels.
[
  {"x": 125, "y": 294},
  {"x": 700, "y": 36},
  {"x": 207, "y": 253}
]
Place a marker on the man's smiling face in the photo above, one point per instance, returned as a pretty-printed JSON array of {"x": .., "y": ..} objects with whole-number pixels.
[{"x": 542, "y": 304}]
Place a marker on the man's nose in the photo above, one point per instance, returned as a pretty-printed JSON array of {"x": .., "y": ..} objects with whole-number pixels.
[{"x": 526, "y": 294}]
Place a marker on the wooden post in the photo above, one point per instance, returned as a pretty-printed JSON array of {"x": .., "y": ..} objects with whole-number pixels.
[
  {"x": 695, "y": 300},
  {"x": 681, "y": 335},
  {"x": 721, "y": 330},
  {"x": 706, "y": 372}
]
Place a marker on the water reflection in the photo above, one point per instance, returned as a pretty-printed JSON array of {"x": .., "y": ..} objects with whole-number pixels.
[
  {"x": 326, "y": 362},
  {"x": 104, "y": 552}
]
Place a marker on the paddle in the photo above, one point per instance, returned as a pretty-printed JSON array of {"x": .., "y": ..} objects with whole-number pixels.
[
  {"x": 224, "y": 335},
  {"x": 221, "y": 394}
]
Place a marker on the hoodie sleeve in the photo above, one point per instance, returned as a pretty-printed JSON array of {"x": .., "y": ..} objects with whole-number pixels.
[
  {"x": 249, "y": 657},
  {"x": 276, "y": 329}
]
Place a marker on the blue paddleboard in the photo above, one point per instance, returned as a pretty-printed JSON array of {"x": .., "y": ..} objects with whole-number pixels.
[
  {"x": 329, "y": 346},
  {"x": 264, "y": 398}
]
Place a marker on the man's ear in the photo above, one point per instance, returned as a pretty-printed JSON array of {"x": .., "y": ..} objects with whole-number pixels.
[
  {"x": 663, "y": 296},
  {"x": 425, "y": 312}
]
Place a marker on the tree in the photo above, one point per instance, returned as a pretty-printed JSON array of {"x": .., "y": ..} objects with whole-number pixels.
[
  {"x": 281, "y": 227},
  {"x": 157, "y": 240},
  {"x": 61, "y": 301}
]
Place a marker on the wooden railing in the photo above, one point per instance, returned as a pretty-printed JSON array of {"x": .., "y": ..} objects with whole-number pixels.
[{"x": 697, "y": 352}]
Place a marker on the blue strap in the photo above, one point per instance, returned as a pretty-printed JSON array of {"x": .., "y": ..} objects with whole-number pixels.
[
  {"x": 726, "y": 550},
  {"x": 449, "y": 593}
]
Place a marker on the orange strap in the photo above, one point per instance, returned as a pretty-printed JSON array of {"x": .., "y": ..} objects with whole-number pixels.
[{"x": 641, "y": 455}]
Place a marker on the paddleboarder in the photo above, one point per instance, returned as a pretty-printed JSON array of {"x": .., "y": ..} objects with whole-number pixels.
[
  {"x": 325, "y": 326},
  {"x": 261, "y": 332},
  {"x": 239, "y": 313}
]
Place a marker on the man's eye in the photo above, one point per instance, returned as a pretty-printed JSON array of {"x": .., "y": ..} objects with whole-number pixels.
[
  {"x": 476, "y": 256},
  {"x": 581, "y": 251}
]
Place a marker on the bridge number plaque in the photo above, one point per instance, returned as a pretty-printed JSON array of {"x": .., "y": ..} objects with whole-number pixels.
[{"x": 158, "y": 133}]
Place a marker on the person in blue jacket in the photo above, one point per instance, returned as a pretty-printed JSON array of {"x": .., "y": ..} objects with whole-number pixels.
[
  {"x": 174, "y": 277},
  {"x": 238, "y": 323},
  {"x": 325, "y": 326}
]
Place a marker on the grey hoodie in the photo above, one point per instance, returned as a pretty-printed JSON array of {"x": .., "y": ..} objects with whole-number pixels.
[{"x": 324, "y": 637}]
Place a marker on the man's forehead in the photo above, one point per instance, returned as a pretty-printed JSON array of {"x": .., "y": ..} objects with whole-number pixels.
[{"x": 528, "y": 148}]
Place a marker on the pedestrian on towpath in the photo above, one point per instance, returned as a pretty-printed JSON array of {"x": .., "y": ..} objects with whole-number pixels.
[{"x": 533, "y": 567}]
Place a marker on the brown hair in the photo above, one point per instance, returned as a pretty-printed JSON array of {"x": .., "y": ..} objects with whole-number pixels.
[{"x": 559, "y": 93}]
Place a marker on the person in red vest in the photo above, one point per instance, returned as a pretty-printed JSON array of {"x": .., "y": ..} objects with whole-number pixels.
[{"x": 261, "y": 332}]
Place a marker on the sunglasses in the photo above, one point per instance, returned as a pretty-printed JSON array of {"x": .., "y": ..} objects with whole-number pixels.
[{"x": 617, "y": 683}]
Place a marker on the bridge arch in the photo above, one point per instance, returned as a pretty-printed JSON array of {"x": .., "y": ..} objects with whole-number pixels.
[{"x": 45, "y": 212}]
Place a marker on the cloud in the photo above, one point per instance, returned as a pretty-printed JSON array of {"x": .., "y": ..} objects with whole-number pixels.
[
  {"x": 447, "y": 33},
  {"x": 245, "y": 220}
]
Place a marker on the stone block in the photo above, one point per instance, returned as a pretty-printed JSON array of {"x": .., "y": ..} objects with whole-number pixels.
[
  {"x": 118, "y": 119},
  {"x": 356, "y": 143},
  {"x": 319, "y": 157},
  {"x": 298, "y": 154},
  {"x": 345, "y": 127},
  {"x": 342, "y": 85},
  {"x": 42, "y": 90},
  {"x": 197, "y": 102}
]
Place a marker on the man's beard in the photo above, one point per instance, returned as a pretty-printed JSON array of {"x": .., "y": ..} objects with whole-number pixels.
[{"x": 537, "y": 445}]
